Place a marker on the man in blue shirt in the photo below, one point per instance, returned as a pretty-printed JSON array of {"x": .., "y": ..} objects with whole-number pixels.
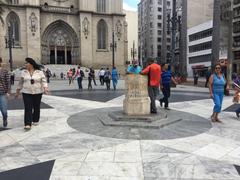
[
  {"x": 166, "y": 85},
  {"x": 134, "y": 68}
]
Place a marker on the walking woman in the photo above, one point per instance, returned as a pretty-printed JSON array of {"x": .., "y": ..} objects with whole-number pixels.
[
  {"x": 217, "y": 84},
  {"x": 33, "y": 84}
]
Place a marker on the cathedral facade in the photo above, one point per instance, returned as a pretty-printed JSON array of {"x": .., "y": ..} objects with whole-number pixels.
[{"x": 66, "y": 32}]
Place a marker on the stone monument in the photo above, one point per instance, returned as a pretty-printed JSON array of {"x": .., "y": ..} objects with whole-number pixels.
[{"x": 137, "y": 101}]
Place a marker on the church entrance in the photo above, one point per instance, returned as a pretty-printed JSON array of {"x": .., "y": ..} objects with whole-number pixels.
[{"x": 60, "y": 44}]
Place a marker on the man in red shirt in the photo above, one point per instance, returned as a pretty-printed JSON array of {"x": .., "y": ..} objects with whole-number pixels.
[{"x": 153, "y": 70}]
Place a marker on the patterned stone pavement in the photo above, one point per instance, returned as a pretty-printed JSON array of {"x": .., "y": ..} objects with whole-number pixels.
[{"x": 77, "y": 155}]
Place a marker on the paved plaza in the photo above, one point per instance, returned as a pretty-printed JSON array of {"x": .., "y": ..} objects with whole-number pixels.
[{"x": 71, "y": 144}]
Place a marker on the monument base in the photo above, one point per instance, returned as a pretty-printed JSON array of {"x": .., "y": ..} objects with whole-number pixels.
[{"x": 136, "y": 106}]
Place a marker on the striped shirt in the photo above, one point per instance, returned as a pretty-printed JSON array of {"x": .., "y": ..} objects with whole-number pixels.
[{"x": 4, "y": 81}]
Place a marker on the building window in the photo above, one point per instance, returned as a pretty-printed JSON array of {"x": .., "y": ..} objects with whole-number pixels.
[
  {"x": 200, "y": 47},
  {"x": 199, "y": 59},
  {"x": 236, "y": 55},
  {"x": 159, "y": 9},
  {"x": 159, "y": 32},
  {"x": 14, "y": 1},
  {"x": 200, "y": 35},
  {"x": 159, "y": 25},
  {"x": 159, "y": 39},
  {"x": 101, "y": 6},
  {"x": 14, "y": 22},
  {"x": 159, "y": 16},
  {"x": 236, "y": 27},
  {"x": 102, "y": 31}
]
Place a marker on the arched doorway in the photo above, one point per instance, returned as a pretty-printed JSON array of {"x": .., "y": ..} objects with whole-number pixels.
[{"x": 60, "y": 44}]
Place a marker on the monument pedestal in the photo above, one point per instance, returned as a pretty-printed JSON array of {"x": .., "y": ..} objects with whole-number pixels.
[{"x": 136, "y": 100}]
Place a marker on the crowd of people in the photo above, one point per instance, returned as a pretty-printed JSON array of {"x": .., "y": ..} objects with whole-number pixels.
[{"x": 34, "y": 81}]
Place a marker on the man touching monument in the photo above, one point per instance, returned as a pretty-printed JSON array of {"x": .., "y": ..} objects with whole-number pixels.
[{"x": 153, "y": 70}]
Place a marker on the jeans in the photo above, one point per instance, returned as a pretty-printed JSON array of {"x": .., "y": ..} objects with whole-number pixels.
[
  {"x": 114, "y": 81},
  {"x": 166, "y": 94},
  {"x": 107, "y": 81},
  {"x": 79, "y": 80},
  {"x": 3, "y": 106},
  {"x": 89, "y": 83},
  {"x": 32, "y": 108},
  {"x": 217, "y": 98},
  {"x": 153, "y": 93}
]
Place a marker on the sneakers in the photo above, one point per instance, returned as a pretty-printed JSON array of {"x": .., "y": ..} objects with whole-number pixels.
[
  {"x": 237, "y": 114},
  {"x": 160, "y": 102},
  {"x": 5, "y": 123},
  {"x": 35, "y": 123},
  {"x": 27, "y": 127}
]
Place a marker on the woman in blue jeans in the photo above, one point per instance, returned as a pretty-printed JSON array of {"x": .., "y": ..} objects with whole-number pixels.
[{"x": 217, "y": 84}]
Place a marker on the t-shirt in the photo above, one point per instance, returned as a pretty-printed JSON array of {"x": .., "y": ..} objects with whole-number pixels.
[
  {"x": 166, "y": 77},
  {"x": 154, "y": 72}
]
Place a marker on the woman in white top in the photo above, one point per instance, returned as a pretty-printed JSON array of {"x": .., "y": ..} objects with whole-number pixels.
[{"x": 33, "y": 84}]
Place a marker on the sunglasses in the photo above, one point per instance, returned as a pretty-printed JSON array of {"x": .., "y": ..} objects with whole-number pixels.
[{"x": 32, "y": 81}]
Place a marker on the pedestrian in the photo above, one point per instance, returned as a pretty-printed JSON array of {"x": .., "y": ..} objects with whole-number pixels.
[
  {"x": 90, "y": 78},
  {"x": 153, "y": 70},
  {"x": 101, "y": 76},
  {"x": 12, "y": 77},
  {"x": 4, "y": 92},
  {"x": 134, "y": 68},
  {"x": 48, "y": 75},
  {"x": 208, "y": 74},
  {"x": 166, "y": 79},
  {"x": 217, "y": 84},
  {"x": 236, "y": 85},
  {"x": 195, "y": 77},
  {"x": 33, "y": 84},
  {"x": 114, "y": 77},
  {"x": 79, "y": 75},
  {"x": 93, "y": 76},
  {"x": 70, "y": 76},
  {"x": 107, "y": 78},
  {"x": 62, "y": 75}
]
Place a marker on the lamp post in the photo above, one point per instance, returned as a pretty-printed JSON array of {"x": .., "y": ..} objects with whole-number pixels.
[
  {"x": 113, "y": 47},
  {"x": 9, "y": 41},
  {"x": 133, "y": 51},
  {"x": 175, "y": 21}
]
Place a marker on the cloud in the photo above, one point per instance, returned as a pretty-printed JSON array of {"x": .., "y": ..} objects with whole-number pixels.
[{"x": 128, "y": 7}]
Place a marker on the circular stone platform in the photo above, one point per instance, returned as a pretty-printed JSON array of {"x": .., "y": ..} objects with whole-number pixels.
[{"x": 165, "y": 125}]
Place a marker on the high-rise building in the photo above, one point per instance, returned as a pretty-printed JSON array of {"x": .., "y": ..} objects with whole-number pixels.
[
  {"x": 236, "y": 36},
  {"x": 153, "y": 33}
]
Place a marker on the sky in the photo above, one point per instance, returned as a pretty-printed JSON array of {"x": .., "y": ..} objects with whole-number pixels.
[{"x": 130, "y": 5}]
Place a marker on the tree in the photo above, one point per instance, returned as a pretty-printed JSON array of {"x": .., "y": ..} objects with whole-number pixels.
[{"x": 2, "y": 9}]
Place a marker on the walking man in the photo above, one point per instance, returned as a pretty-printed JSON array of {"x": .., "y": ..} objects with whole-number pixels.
[
  {"x": 114, "y": 77},
  {"x": 153, "y": 70},
  {"x": 4, "y": 91},
  {"x": 166, "y": 78}
]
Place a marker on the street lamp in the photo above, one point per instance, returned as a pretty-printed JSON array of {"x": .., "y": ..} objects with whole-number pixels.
[
  {"x": 9, "y": 41},
  {"x": 133, "y": 51},
  {"x": 175, "y": 21},
  {"x": 113, "y": 47}
]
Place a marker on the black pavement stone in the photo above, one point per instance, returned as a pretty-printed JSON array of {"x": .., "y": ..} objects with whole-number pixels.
[
  {"x": 104, "y": 95},
  {"x": 238, "y": 169},
  {"x": 17, "y": 104},
  {"x": 190, "y": 125},
  {"x": 40, "y": 171}
]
